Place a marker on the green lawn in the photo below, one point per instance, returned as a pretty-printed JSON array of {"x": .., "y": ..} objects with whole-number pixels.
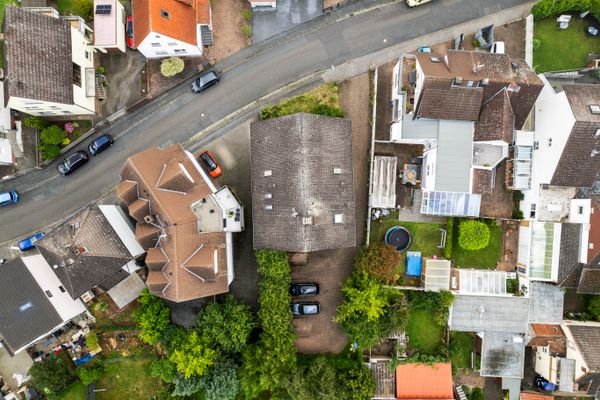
[
  {"x": 480, "y": 259},
  {"x": 461, "y": 346},
  {"x": 563, "y": 49},
  {"x": 75, "y": 391},
  {"x": 425, "y": 236},
  {"x": 424, "y": 335}
]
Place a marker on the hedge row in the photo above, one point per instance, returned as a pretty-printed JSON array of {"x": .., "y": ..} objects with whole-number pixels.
[{"x": 549, "y": 8}]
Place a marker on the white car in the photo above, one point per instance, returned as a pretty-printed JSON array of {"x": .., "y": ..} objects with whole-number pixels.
[{"x": 498, "y": 48}]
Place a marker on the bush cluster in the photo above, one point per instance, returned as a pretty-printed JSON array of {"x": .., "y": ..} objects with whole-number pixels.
[
  {"x": 473, "y": 235},
  {"x": 549, "y": 8}
]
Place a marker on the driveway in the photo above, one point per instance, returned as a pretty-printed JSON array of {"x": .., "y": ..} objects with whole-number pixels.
[
  {"x": 267, "y": 22},
  {"x": 124, "y": 77}
]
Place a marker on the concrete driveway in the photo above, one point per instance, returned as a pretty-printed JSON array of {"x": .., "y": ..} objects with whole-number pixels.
[{"x": 267, "y": 22}]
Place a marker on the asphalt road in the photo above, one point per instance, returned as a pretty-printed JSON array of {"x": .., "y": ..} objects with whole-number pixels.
[{"x": 249, "y": 75}]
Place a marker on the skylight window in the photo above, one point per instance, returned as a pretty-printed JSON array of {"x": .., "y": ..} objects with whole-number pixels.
[
  {"x": 595, "y": 108},
  {"x": 25, "y": 306}
]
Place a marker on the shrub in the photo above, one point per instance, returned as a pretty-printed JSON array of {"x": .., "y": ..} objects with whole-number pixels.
[
  {"x": 593, "y": 307},
  {"x": 473, "y": 235},
  {"x": 476, "y": 43},
  {"x": 152, "y": 317},
  {"x": 379, "y": 261},
  {"x": 171, "y": 66},
  {"x": 52, "y": 135},
  {"x": 548, "y": 8},
  {"x": 247, "y": 30},
  {"x": 36, "y": 123},
  {"x": 50, "y": 376},
  {"x": 537, "y": 44},
  {"x": 518, "y": 196},
  {"x": 477, "y": 394},
  {"x": 247, "y": 14},
  {"x": 49, "y": 151},
  {"x": 90, "y": 374},
  {"x": 517, "y": 214}
]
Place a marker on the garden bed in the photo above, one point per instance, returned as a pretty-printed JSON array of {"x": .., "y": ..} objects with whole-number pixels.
[
  {"x": 323, "y": 100},
  {"x": 556, "y": 50}
]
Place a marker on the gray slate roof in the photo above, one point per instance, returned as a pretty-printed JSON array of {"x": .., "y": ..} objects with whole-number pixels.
[
  {"x": 301, "y": 152},
  {"x": 577, "y": 167},
  {"x": 489, "y": 314},
  {"x": 86, "y": 251},
  {"x": 589, "y": 282},
  {"x": 454, "y": 156},
  {"x": 18, "y": 288},
  {"x": 502, "y": 354},
  {"x": 587, "y": 338},
  {"x": 546, "y": 303},
  {"x": 569, "y": 249},
  {"x": 37, "y": 56}
]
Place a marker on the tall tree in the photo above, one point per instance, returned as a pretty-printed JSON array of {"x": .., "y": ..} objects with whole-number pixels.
[
  {"x": 152, "y": 317},
  {"x": 228, "y": 325},
  {"x": 194, "y": 357}
]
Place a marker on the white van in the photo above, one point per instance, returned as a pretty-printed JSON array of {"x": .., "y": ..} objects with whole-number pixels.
[{"x": 414, "y": 3}]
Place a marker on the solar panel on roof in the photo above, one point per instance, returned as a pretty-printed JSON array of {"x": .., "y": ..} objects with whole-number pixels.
[{"x": 103, "y": 8}]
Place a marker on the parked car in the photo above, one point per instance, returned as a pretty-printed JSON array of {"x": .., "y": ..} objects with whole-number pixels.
[
  {"x": 29, "y": 242},
  {"x": 72, "y": 162},
  {"x": 129, "y": 32},
  {"x": 205, "y": 81},
  {"x": 100, "y": 144},
  {"x": 300, "y": 309},
  {"x": 7, "y": 198},
  {"x": 498, "y": 48},
  {"x": 304, "y": 289},
  {"x": 544, "y": 384},
  {"x": 424, "y": 49},
  {"x": 414, "y": 3},
  {"x": 210, "y": 164}
]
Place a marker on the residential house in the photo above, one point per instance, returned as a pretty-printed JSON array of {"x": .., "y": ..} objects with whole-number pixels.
[
  {"x": 183, "y": 221},
  {"x": 109, "y": 25},
  {"x": 165, "y": 28},
  {"x": 535, "y": 396},
  {"x": 95, "y": 247},
  {"x": 48, "y": 63},
  {"x": 302, "y": 185},
  {"x": 583, "y": 349},
  {"x": 31, "y": 308},
  {"x": 468, "y": 106},
  {"x": 424, "y": 382},
  {"x": 549, "y": 347},
  {"x": 502, "y": 322}
]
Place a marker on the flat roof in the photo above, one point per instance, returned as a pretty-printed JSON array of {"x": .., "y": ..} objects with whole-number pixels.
[
  {"x": 385, "y": 172},
  {"x": 454, "y": 156},
  {"x": 475, "y": 281},
  {"x": 546, "y": 303},
  {"x": 489, "y": 314},
  {"x": 502, "y": 354},
  {"x": 105, "y": 23}
]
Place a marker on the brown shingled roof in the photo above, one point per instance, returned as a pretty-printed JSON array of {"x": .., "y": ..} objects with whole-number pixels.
[
  {"x": 496, "y": 121},
  {"x": 127, "y": 192},
  {"x": 182, "y": 266}
]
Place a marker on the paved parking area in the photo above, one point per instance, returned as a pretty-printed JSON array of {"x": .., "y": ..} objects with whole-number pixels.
[{"x": 267, "y": 22}]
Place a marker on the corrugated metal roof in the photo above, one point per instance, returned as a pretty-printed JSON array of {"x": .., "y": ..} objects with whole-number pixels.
[{"x": 454, "y": 156}]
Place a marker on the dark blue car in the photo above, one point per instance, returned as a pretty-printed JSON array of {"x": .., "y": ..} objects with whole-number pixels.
[
  {"x": 29, "y": 243},
  {"x": 100, "y": 144},
  {"x": 7, "y": 198}
]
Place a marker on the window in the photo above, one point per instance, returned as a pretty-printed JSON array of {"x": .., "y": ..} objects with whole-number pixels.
[
  {"x": 268, "y": 206},
  {"x": 428, "y": 169},
  {"x": 76, "y": 74},
  {"x": 549, "y": 142},
  {"x": 62, "y": 289},
  {"x": 25, "y": 306},
  {"x": 580, "y": 210},
  {"x": 268, "y": 172},
  {"x": 155, "y": 44},
  {"x": 48, "y": 293},
  {"x": 536, "y": 145},
  {"x": 173, "y": 44},
  {"x": 532, "y": 212},
  {"x": 180, "y": 51},
  {"x": 88, "y": 55},
  {"x": 595, "y": 108},
  {"x": 162, "y": 53},
  {"x": 164, "y": 14}
]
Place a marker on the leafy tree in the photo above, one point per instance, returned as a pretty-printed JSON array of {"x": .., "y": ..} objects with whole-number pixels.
[
  {"x": 164, "y": 369},
  {"x": 171, "y": 66},
  {"x": 228, "y": 324},
  {"x": 316, "y": 381},
  {"x": 194, "y": 357},
  {"x": 187, "y": 387},
  {"x": 173, "y": 337},
  {"x": 50, "y": 376},
  {"x": 90, "y": 374},
  {"x": 53, "y": 135},
  {"x": 49, "y": 151},
  {"x": 222, "y": 382},
  {"x": 594, "y": 307},
  {"x": 152, "y": 317},
  {"x": 359, "y": 383},
  {"x": 473, "y": 235},
  {"x": 379, "y": 261},
  {"x": 36, "y": 122},
  {"x": 83, "y": 8}
]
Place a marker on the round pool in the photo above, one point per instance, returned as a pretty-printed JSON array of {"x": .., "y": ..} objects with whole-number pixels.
[{"x": 399, "y": 238}]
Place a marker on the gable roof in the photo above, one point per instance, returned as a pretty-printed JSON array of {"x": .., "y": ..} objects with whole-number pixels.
[
  {"x": 25, "y": 312},
  {"x": 184, "y": 262},
  {"x": 587, "y": 339},
  {"x": 579, "y": 163},
  {"x": 85, "y": 252},
  {"x": 589, "y": 282},
  {"x": 482, "y": 76},
  {"x": 184, "y": 16},
  {"x": 496, "y": 120},
  {"x": 550, "y": 335},
  {"x": 569, "y": 249},
  {"x": 37, "y": 56},
  {"x": 302, "y": 180},
  {"x": 420, "y": 381}
]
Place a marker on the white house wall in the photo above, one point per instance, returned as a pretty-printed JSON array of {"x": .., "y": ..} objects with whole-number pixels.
[
  {"x": 157, "y": 46},
  {"x": 553, "y": 121},
  {"x": 46, "y": 108},
  {"x": 545, "y": 364},
  {"x": 83, "y": 55}
]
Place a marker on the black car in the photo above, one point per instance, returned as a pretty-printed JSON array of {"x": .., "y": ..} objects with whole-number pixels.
[
  {"x": 299, "y": 309},
  {"x": 100, "y": 144},
  {"x": 304, "y": 289},
  {"x": 205, "y": 81},
  {"x": 72, "y": 162}
]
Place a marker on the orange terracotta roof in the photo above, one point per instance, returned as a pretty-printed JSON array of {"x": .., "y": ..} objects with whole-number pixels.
[
  {"x": 535, "y": 396},
  {"x": 184, "y": 16},
  {"x": 547, "y": 330},
  {"x": 424, "y": 382}
]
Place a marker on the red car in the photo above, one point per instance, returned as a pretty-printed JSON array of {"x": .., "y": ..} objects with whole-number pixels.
[
  {"x": 210, "y": 164},
  {"x": 129, "y": 32}
]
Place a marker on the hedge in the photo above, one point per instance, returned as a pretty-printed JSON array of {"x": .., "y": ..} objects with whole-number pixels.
[
  {"x": 549, "y": 8},
  {"x": 449, "y": 238}
]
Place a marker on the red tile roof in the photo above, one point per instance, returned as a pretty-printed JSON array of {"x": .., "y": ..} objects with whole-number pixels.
[
  {"x": 535, "y": 396},
  {"x": 424, "y": 382},
  {"x": 181, "y": 24}
]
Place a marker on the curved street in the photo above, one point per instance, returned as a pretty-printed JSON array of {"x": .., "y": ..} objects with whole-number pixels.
[{"x": 249, "y": 75}]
